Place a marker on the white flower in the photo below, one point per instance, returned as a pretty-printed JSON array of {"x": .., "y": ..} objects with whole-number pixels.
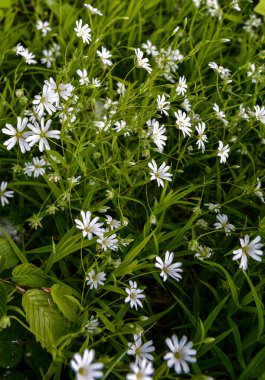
[
  {"x": 26, "y": 54},
  {"x": 258, "y": 192},
  {"x": 201, "y": 138},
  {"x": 167, "y": 268},
  {"x": 235, "y": 5},
  {"x": 143, "y": 371},
  {"x": 85, "y": 368},
  {"x": 142, "y": 62},
  {"x": 203, "y": 252},
  {"x": 83, "y": 31},
  {"x": 259, "y": 113},
  {"x": 158, "y": 136},
  {"x": 44, "y": 27},
  {"x": 83, "y": 77},
  {"x": 36, "y": 167},
  {"x": 213, "y": 207},
  {"x": 5, "y": 194},
  {"x": 48, "y": 58},
  {"x": 162, "y": 105},
  {"x": 29, "y": 57},
  {"x": 213, "y": 8},
  {"x": 108, "y": 242},
  {"x": 150, "y": 48},
  {"x": 18, "y": 135},
  {"x": 160, "y": 174},
  {"x": 121, "y": 126},
  {"x": 183, "y": 123},
  {"x": 19, "y": 49},
  {"x": 40, "y": 133},
  {"x": 56, "y": 49},
  {"x": 92, "y": 324},
  {"x": 223, "y": 72},
  {"x": 45, "y": 101},
  {"x": 121, "y": 88},
  {"x": 73, "y": 181},
  {"x": 95, "y": 82},
  {"x": 113, "y": 223},
  {"x": 186, "y": 105},
  {"x": 139, "y": 350},
  {"x": 93, "y": 11},
  {"x": 104, "y": 55},
  {"x": 88, "y": 226},
  {"x": 248, "y": 248},
  {"x": 181, "y": 86},
  {"x": 181, "y": 353},
  {"x": 223, "y": 152},
  {"x": 242, "y": 112},
  {"x": 62, "y": 90},
  {"x": 95, "y": 279},
  {"x": 224, "y": 224},
  {"x": 134, "y": 295},
  {"x": 220, "y": 115}
]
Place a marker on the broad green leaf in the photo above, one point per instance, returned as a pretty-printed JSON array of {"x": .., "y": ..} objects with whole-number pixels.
[
  {"x": 3, "y": 299},
  {"x": 29, "y": 275},
  {"x": 260, "y": 8},
  {"x": 20, "y": 255},
  {"x": 60, "y": 295},
  {"x": 7, "y": 255},
  {"x": 5, "y": 3},
  {"x": 45, "y": 320}
]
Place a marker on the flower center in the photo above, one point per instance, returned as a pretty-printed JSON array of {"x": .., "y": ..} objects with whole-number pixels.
[
  {"x": 83, "y": 371},
  {"x": 178, "y": 355}
]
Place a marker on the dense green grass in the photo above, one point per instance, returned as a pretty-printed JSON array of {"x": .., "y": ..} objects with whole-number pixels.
[{"x": 45, "y": 303}]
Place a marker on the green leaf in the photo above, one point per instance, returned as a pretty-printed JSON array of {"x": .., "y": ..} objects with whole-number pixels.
[
  {"x": 237, "y": 338},
  {"x": 20, "y": 255},
  {"x": 259, "y": 306},
  {"x": 225, "y": 360},
  {"x": 3, "y": 299},
  {"x": 255, "y": 367},
  {"x": 130, "y": 256},
  {"x": 61, "y": 296},
  {"x": 44, "y": 318},
  {"x": 213, "y": 315},
  {"x": 30, "y": 275},
  {"x": 5, "y": 3},
  {"x": 8, "y": 257},
  {"x": 260, "y": 8}
]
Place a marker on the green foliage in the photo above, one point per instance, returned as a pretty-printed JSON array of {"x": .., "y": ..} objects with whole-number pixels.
[
  {"x": 260, "y": 8},
  {"x": 29, "y": 275},
  {"x": 61, "y": 295},
  {"x": 65, "y": 285},
  {"x": 45, "y": 320}
]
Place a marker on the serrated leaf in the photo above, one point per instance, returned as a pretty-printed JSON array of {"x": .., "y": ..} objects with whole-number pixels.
[
  {"x": 29, "y": 275},
  {"x": 8, "y": 256},
  {"x": 5, "y": 3},
  {"x": 3, "y": 300},
  {"x": 60, "y": 295},
  {"x": 45, "y": 320},
  {"x": 260, "y": 8}
]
